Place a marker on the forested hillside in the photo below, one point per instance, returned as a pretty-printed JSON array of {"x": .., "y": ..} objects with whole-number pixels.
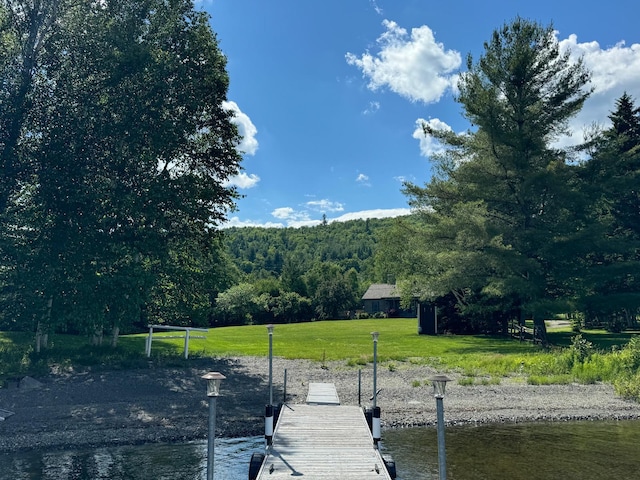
[
  {"x": 264, "y": 252},
  {"x": 290, "y": 274}
]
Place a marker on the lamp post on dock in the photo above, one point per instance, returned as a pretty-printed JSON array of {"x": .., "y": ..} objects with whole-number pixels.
[
  {"x": 375, "y": 420},
  {"x": 439, "y": 383},
  {"x": 268, "y": 417},
  {"x": 214, "y": 379},
  {"x": 375, "y": 335},
  {"x": 270, "y": 330}
]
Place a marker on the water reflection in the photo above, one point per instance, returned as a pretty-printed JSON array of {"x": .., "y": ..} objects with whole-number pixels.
[
  {"x": 541, "y": 451},
  {"x": 574, "y": 450},
  {"x": 187, "y": 461}
]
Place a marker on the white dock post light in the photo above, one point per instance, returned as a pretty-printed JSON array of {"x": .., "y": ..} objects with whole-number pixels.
[
  {"x": 214, "y": 379},
  {"x": 439, "y": 383}
]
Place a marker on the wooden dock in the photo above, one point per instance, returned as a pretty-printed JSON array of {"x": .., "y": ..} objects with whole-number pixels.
[
  {"x": 322, "y": 394},
  {"x": 323, "y": 440}
]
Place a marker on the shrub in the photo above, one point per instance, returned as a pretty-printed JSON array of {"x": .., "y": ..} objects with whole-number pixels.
[
  {"x": 549, "y": 380},
  {"x": 581, "y": 348},
  {"x": 630, "y": 354},
  {"x": 628, "y": 387}
]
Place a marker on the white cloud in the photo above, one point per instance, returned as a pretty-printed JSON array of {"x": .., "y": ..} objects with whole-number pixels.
[
  {"x": 294, "y": 218},
  {"x": 283, "y": 212},
  {"x": 402, "y": 179},
  {"x": 415, "y": 66},
  {"x": 325, "y": 206},
  {"x": 246, "y": 128},
  {"x": 614, "y": 70},
  {"x": 363, "y": 179},
  {"x": 429, "y": 145},
  {"x": 243, "y": 181},
  {"x": 376, "y": 7},
  {"x": 380, "y": 213},
  {"x": 372, "y": 108},
  {"x": 236, "y": 222},
  {"x": 297, "y": 219}
]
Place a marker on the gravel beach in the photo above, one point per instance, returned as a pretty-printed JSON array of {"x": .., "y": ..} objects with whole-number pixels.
[{"x": 162, "y": 404}]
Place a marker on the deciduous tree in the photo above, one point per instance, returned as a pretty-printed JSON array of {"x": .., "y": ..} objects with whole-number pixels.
[{"x": 117, "y": 149}]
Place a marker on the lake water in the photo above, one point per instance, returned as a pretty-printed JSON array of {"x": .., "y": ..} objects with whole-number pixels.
[{"x": 572, "y": 450}]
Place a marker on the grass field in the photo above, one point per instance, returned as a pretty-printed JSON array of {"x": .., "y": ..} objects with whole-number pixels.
[{"x": 348, "y": 341}]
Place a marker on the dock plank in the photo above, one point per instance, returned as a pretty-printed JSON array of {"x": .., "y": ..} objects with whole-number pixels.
[
  {"x": 322, "y": 394},
  {"x": 322, "y": 442}
]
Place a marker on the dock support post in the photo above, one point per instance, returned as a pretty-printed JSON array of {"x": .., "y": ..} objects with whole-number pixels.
[
  {"x": 375, "y": 367},
  {"x": 439, "y": 383},
  {"x": 214, "y": 379},
  {"x": 270, "y": 330},
  {"x": 211, "y": 437},
  {"x": 442, "y": 456},
  {"x": 268, "y": 425},
  {"x": 375, "y": 426},
  {"x": 375, "y": 421},
  {"x": 268, "y": 417}
]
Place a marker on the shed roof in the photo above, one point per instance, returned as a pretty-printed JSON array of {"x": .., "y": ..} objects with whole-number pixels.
[{"x": 379, "y": 291}]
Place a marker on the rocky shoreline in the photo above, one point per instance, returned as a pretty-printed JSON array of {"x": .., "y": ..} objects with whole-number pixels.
[{"x": 168, "y": 404}]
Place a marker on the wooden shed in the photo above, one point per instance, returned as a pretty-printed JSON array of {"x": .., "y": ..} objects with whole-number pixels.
[{"x": 385, "y": 298}]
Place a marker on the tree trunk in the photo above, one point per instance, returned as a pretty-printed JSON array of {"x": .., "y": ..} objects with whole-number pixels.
[
  {"x": 114, "y": 336},
  {"x": 38, "y": 337},
  {"x": 96, "y": 339},
  {"x": 540, "y": 330}
]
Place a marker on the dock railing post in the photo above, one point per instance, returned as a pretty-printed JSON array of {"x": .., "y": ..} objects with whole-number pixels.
[{"x": 284, "y": 394}]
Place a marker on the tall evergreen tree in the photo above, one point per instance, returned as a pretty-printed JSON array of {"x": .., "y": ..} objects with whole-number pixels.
[
  {"x": 612, "y": 178},
  {"x": 498, "y": 211}
]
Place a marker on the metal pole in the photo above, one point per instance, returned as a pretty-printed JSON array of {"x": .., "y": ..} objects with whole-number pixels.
[
  {"x": 359, "y": 387},
  {"x": 284, "y": 395},
  {"x": 375, "y": 372},
  {"x": 442, "y": 456},
  {"x": 149, "y": 340},
  {"x": 270, "y": 368},
  {"x": 211, "y": 437}
]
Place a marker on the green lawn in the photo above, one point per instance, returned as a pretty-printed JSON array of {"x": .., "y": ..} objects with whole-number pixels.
[
  {"x": 348, "y": 341},
  {"x": 345, "y": 340}
]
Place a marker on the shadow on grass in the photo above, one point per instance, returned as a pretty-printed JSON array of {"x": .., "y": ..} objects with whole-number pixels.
[
  {"x": 489, "y": 344},
  {"x": 601, "y": 339}
]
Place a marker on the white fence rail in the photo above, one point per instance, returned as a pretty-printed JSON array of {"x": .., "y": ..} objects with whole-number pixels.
[{"x": 187, "y": 335}]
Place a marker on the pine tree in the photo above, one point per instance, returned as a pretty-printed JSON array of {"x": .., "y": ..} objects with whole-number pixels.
[{"x": 499, "y": 207}]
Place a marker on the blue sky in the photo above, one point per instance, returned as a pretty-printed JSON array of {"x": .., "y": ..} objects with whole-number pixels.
[{"x": 329, "y": 94}]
